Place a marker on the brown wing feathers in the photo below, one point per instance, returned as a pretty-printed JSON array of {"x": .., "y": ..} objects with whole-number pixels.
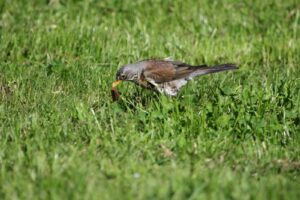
[
  {"x": 160, "y": 71},
  {"x": 165, "y": 71}
]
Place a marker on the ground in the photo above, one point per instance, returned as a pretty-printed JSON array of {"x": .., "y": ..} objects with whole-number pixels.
[{"x": 232, "y": 135}]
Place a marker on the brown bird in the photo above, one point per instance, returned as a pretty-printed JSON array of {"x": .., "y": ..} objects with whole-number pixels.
[{"x": 165, "y": 76}]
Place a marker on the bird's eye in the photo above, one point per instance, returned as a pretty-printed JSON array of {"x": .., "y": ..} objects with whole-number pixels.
[{"x": 123, "y": 76}]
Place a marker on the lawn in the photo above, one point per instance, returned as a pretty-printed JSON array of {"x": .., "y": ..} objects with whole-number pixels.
[{"x": 231, "y": 135}]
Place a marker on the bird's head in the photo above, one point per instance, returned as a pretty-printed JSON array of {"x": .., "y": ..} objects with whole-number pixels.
[{"x": 126, "y": 73}]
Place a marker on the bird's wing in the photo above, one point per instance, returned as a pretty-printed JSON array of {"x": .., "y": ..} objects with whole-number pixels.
[{"x": 161, "y": 71}]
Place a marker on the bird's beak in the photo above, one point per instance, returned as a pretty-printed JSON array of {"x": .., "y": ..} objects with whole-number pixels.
[{"x": 115, "y": 83}]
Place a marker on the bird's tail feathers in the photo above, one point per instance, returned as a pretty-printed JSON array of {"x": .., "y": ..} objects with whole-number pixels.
[{"x": 202, "y": 69}]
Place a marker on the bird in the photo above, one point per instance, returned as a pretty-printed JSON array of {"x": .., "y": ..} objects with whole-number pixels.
[{"x": 165, "y": 76}]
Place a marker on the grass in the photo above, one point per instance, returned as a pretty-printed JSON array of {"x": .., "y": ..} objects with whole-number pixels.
[{"x": 232, "y": 135}]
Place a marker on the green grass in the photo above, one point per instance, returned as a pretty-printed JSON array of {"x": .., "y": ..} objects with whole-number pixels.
[{"x": 232, "y": 135}]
